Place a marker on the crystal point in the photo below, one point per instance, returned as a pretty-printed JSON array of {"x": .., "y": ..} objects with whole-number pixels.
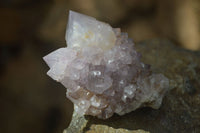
[{"x": 83, "y": 31}]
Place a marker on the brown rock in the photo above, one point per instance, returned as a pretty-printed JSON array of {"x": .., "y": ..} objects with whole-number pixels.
[{"x": 106, "y": 129}]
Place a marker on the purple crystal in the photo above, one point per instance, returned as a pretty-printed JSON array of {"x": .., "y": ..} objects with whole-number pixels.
[{"x": 102, "y": 71}]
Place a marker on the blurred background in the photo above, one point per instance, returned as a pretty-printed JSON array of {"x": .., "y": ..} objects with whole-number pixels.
[{"x": 31, "y": 102}]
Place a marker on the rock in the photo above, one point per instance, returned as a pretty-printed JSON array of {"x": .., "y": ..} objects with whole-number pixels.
[
  {"x": 180, "y": 110},
  {"x": 79, "y": 122},
  {"x": 106, "y": 129}
]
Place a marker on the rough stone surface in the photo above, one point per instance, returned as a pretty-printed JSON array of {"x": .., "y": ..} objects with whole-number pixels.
[
  {"x": 106, "y": 129},
  {"x": 102, "y": 70},
  {"x": 180, "y": 110}
]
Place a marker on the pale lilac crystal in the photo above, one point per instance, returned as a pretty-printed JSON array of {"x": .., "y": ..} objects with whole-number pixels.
[{"x": 102, "y": 71}]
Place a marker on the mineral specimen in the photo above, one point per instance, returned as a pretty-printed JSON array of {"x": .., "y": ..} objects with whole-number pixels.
[{"x": 102, "y": 71}]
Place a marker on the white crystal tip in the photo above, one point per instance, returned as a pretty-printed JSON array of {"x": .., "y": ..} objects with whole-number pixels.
[{"x": 83, "y": 31}]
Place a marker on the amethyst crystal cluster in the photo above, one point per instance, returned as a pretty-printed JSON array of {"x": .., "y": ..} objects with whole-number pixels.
[{"x": 102, "y": 71}]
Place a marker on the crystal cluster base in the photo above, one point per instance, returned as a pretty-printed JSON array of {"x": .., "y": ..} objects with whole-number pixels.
[{"x": 102, "y": 71}]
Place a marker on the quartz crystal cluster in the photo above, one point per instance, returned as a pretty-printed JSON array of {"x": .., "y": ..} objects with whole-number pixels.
[{"x": 102, "y": 71}]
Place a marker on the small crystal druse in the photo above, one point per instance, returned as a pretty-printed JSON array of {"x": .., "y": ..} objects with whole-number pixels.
[{"x": 102, "y": 71}]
